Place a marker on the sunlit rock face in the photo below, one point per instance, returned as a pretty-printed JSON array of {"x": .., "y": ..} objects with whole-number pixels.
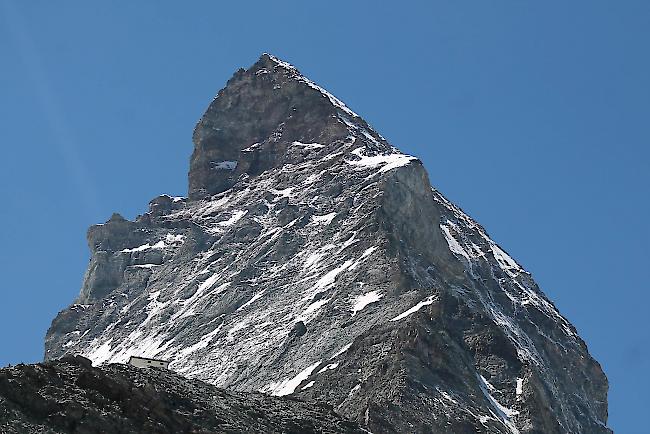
[{"x": 313, "y": 259}]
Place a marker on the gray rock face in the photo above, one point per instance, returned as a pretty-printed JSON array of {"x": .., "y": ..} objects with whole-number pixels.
[
  {"x": 314, "y": 259},
  {"x": 252, "y": 122},
  {"x": 71, "y": 396}
]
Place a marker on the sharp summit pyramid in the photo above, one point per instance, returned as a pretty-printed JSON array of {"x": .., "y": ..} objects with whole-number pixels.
[{"x": 313, "y": 259}]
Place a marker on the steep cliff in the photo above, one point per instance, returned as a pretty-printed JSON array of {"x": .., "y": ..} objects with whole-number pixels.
[{"x": 313, "y": 258}]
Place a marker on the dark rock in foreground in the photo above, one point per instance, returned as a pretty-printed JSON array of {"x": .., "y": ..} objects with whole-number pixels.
[{"x": 71, "y": 396}]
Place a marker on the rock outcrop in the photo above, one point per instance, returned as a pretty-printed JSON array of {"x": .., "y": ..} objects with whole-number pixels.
[
  {"x": 313, "y": 258},
  {"x": 71, "y": 396},
  {"x": 249, "y": 127}
]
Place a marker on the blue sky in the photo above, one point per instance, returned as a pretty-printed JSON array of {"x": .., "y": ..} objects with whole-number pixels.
[{"x": 534, "y": 117}]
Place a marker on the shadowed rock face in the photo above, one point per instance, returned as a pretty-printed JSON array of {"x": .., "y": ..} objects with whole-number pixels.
[
  {"x": 312, "y": 258},
  {"x": 70, "y": 396},
  {"x": 249, "y": 126}
]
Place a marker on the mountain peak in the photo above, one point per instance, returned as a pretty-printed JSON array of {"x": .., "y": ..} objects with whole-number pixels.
[
  {"x": 271, "y": 61},
  {"x": 274, "y": 64},
  {"x": 313, "y": 259},
  {"x": 250, "y": 124}
]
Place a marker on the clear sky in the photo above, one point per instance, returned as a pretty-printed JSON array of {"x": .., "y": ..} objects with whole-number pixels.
[{"x": 534, "y": 117}]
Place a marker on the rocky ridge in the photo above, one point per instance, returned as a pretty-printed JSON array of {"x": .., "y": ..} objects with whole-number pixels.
[
  {"x": 71, "y": 396},
  {"x": 313, "y": 258}
]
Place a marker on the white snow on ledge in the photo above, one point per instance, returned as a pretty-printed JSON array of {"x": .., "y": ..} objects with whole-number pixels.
[
  {"x": 504, "y": 413},
  {"x": 420, "y": 305},
  {"x": 323, "y": 219},
  {"x": 174, "y": 239},
  {"x": 387, "y": 161},
  {"x": 251, "y": 148},
  {"x": 454, "y": 245},
  {"x": 329, "y": 367},
  {"x": 504, "y": 260},
  {"x": 288, "y": 386},
  {"x": 167, "y": 242},
  {"x": 158, "y": 245},
  {"x": 520, "y": 386},
  {"x": 341, "y": 351},
  {"x": 309, "y": 145},
  {"x": 234, "y": 218},
  {"x": 225, "y": 165},
  {"x": 364, "y": 300}
]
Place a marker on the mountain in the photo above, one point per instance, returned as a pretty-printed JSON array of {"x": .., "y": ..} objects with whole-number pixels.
[
  {"x": 312, "y": 258},
  {"x": 71, "y": 396}
]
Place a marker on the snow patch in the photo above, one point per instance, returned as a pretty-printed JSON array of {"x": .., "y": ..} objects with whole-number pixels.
[
  {"x": 202, "y": 343},
  {"x": 99, "y": 354},
  {"x": 309, "y": 145},
  {"x": 251, "y": 301},
  {"x": 420, "y": 305},
  {"x": 364, "y": 300},
  {"x": 328, "y": 367},
  {"x": 506, "y": 263},
  {"x": 447, "y": 396},
  {"x": 505, "y": 413},
  {"x": 281, "y": 193},
  {"x": 169, "y": 240},
  {"x": 520, "y": 386},
  {"x": 208, "y": 283},
  {"x": 387, "y": 161},
  {"x": 341, "y": 351},
  {"x": 330, "y": 276},
  {"x": 308, "y": 385},
  {"x": 158, "y": 245},
  {"x": 234, "y": 218},
  {"x": 251, "y": 147},
  {"x": 368, "y": 252},
  {"x": 225, "y": 165},
  {"x": 313, "y": 259},
  {"x": 241, "y": 325},
  {"x": 307, "y": 315},
  {"x": 288, "y": 386},
  {"x": 174, "y": 239},
  {"x": 365, "y": 254},
  {"x": 323, "y": 219},
  {"x": 454, "y": 245},
  {"x": 349, "y": 242}
]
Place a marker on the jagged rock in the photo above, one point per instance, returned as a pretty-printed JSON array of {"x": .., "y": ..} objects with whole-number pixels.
[
  {"x": 312, "y": 258},
  {"x": 70, "y": 396},
  {"x": 251, "y": 124}
]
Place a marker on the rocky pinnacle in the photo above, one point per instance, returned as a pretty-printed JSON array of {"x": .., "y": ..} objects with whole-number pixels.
[{"x": 313, "y": 259}]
